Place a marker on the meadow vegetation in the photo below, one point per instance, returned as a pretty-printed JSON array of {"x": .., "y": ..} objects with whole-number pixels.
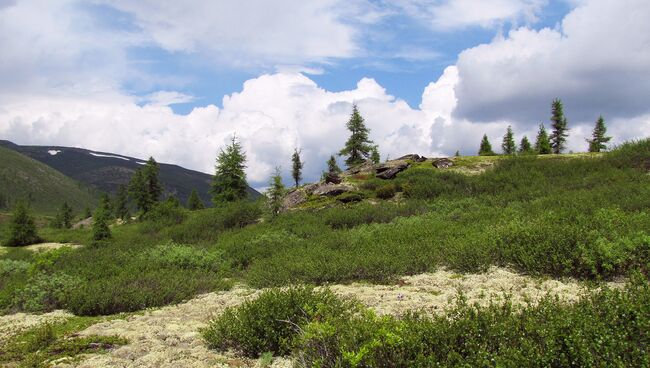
[{"x": 585, "y": 217}]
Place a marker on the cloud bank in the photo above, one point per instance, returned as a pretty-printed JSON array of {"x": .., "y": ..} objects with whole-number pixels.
[{"x": 597, "y": 60}]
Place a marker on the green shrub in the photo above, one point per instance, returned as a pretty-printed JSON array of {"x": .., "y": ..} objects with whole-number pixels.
[
  {"x": 207, "y": 224},
  {"x": 386, "y": 192},
  {"x": 606, "y": 329},
  {"x": 271, "y": 322},
  {"x": 184, "y": 256},
  {"x": 10, "y": 266},
  {"x": 45, "y": 292},
  {"x": 349, "y": 197},
  {"x": 164, "y": 214}
]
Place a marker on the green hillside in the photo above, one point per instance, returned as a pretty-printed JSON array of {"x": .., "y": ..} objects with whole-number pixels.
[{"x": 22, "y": 178}]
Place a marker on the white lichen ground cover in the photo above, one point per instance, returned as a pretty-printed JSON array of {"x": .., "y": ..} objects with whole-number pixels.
[{"x": 169, "y": 336}]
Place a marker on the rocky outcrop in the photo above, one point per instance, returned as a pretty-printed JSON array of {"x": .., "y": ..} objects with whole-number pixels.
[
  {"x": 413, "y": 157},
  {"x": 294, "y": 199},
  {"x": 390, "y": 169},
  {"x": 443, "y": 163},
  {"x": 332, "y": 189}
]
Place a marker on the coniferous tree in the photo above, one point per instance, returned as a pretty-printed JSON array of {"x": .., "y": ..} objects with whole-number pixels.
[
  {"x": 106, "y": 205},
  {"x": 358, "y": 146},
  {"x": 486, "y": 148},
  {"x": 296, "y": 171},
  {"x": 525, "y": 147},
  {"x": 457, "y": 154},
  {"x": 121, "y": 205},
  {"x": 144, "y": 187},
  {"x": 87, "y": 213},
  {"x": 101, "y": 231},
  {"x": 374, "y": 155},
  {"x": 66, "y": 216},
  {"x": 151, "y": 171},
  {"x": 22, "y": 229},
  {"x": 194, "y": 202},
  {"x": 508, "y": 146},
  {"x": 542, "y": 143},
  {"x": 138, "y": 191},
  {"x": 275, "y": 193},
  {"x": 332, "y": 166},
  {"x": 229, "y": 181},
  {"x": 598, "y": 138},
  {"x": 559, "y": 125}
]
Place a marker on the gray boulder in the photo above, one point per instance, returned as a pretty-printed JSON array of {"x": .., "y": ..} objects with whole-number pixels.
[
  {"x": 443, "y": 163},
  {"x": 331, "y": 189}
]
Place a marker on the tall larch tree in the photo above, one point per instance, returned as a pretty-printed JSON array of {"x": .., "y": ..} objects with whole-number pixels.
[
  {"x": 508, "y": 145},
  {"x": 297, "y": 165},
  {"x": 559, "y": 125},
  {"x": 486, "y": 148},
  {"x": 358, "y": 146},
  {"x": 229, "y": 181},
  {"x": 598, "y": 136},
  {"x": 542, "y": 143},
  {"x": 194, "y": 202},
  {"x": 101, "y": 231},
  {"x": 275, "y": 193},
  {"x": 525, "y": 147}
]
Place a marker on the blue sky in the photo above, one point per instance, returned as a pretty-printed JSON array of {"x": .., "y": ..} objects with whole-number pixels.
[{"x": 175, "y": 80}]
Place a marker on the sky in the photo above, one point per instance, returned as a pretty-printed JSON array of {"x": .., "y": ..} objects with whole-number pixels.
[{"x": 176, "y": 80}]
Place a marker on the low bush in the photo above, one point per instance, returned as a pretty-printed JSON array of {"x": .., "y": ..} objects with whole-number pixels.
[
  {"x": 350, "y": 197},
  {"x": 184, "y": 257},
  {"x": 43, "y": 292},
  {"x": 606, "y": 328},
  {"x": 165, "y": 214},
  {"x": 386, "y": 191},
  {"x": 271, "y": 322}
]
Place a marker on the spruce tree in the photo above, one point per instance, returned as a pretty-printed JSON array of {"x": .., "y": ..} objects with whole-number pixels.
[
  {"x": 598, "y": 137},
  {"x": 296, "y": 171},
  {"x": 87, "y": 213},
  {"x": 101, "y": 231},
  {"x": 508, "y": 146},
  {"x": 542, "y": 143},
  {"x": 194, "y": 202},
  {"x": 332, "y": 166},
  {"x": 22, "y": 229},
  {"x": 457, "y": 154},
  {"x": 486, "y": 148},
  {"x": 153, "y": 186},
  {"x": 229, "y": 181},
  {"x": 525, "y": 147},
  {"x": 559, "y": 125},
  {"x": 358, "y": 146},
  {"x": 375, "y": 158},
  {"x": 121, "y": 205},
  {"x": 275, "y": 193},
  {"x": 138, "y": 191},
  {"x": 66, "y": 216},
  {"x": 106, "y": 205}
]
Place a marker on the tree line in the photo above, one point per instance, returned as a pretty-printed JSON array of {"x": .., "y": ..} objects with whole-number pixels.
[{"x": 554, "y": 143}]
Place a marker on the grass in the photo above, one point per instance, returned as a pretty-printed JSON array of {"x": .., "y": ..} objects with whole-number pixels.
[{"x": 580, "y": 216}]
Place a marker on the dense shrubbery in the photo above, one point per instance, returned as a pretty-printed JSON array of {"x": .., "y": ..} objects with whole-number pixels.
[
  {"x": 605, "y": 329},
  {"x": 580, "y": 217},
  {"x": 271, "y": 322}
]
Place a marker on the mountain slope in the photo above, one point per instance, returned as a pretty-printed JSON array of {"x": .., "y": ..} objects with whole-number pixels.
[
  {"x": 107, "y": 171},
  {"x": 23, "y": 178}
]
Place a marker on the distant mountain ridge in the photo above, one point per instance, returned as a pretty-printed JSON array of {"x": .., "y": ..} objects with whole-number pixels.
[
  {"x": 107, "y": 171},
  {"x": 41, "y": 186}
]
